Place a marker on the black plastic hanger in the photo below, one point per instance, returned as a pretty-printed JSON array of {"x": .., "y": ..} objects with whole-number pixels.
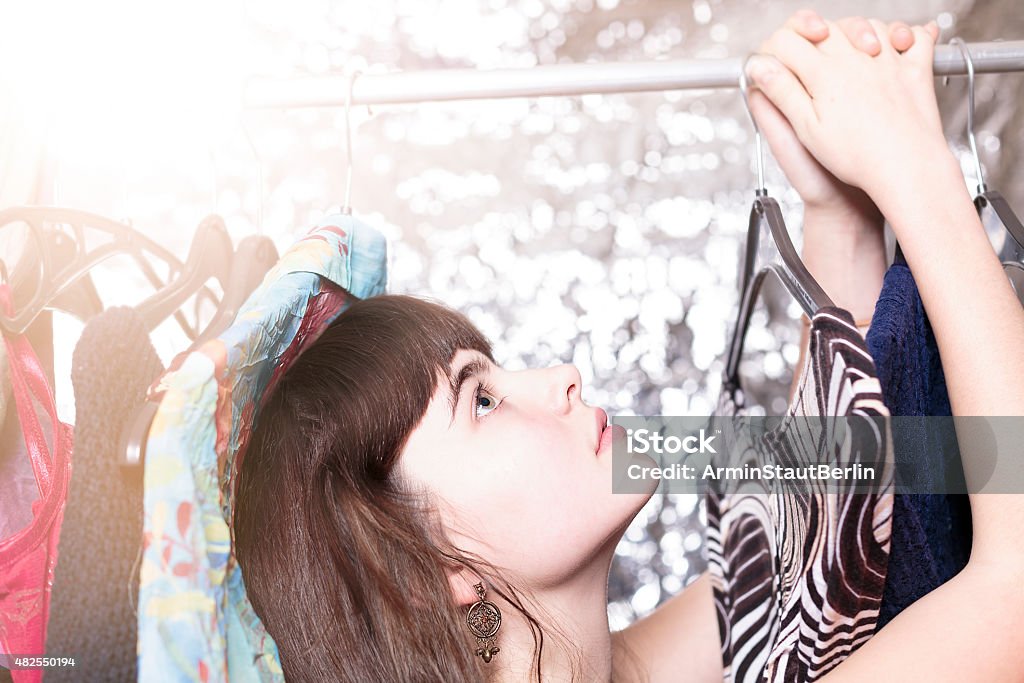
[
  {"x": 255, "y": 255},
  {"x": 59, "y": 249},
  {"x": 792, "y": 273},
  {"x": 1012, "y": 252},
  {"x": 55, "y": 272},
  {"x": 209, "y": 256}
]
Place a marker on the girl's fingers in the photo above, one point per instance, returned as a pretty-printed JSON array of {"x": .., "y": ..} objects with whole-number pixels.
[
  {"x": 882, "y": 30},
  {"x": 922, "y": 51},
  {"x": 779, "y": 133},
  {"x": 861, "y": 34},
  {"x": 900, "y": 36},
  {"x": 808, "y": 24},
  {"x": 784, "y": 90},
  {"x": 932, "y": 29},
  {"x": 797, "y": 55},
  {"x": 838, "y": 43},
  {"x": 769, "y": 119}
]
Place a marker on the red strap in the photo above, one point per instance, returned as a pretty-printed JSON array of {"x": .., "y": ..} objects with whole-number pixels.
[{"x": 28, "y": 379}]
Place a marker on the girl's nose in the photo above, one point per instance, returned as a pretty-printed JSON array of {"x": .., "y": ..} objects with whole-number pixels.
[{"x": 566, "y": 384}]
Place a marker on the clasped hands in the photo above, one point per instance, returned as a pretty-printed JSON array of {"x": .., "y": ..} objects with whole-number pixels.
[{"x": 843, "y": 105}]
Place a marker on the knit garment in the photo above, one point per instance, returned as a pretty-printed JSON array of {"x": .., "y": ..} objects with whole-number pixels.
[
  {"x": 92, "y": 615},
  {"x": 931, "y": 532}
]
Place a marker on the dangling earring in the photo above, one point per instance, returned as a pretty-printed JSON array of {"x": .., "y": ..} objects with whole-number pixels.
[{"x": 484, "y": 620}]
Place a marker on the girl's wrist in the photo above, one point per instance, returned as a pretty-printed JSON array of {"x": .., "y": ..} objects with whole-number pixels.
[
  {"x": 837, "y": 237},
  {"x": 920, "y": 175},
  {"x": 846, "y": 256},
  {"x": 845, "y": 226},
  {"x": 848, "y": 227}
]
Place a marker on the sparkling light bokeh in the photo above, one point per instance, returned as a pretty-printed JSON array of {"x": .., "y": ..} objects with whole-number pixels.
[{"x": 602, "y": 230}]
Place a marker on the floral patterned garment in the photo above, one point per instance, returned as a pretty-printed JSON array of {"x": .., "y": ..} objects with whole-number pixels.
[{"x": 195, "y": 621}]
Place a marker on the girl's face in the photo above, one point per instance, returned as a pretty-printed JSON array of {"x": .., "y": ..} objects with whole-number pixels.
[{"x": 517, "y": 470}]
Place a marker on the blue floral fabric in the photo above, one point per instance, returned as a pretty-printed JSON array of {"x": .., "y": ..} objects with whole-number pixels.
[{"x": 195, "y": 621}]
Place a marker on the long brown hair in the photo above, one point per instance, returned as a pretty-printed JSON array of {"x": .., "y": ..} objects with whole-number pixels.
[{"x": 346, "y": 568}]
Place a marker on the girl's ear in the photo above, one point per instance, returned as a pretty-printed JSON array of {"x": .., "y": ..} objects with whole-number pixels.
[{"x": 463, "y": 582}]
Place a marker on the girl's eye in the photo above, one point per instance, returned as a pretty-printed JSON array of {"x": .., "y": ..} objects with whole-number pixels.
[{"x": 485, "y": 402}]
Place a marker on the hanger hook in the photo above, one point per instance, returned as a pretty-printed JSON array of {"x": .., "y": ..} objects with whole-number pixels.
[
  {"x": 259, "y": 176},
  {"x": 758, "y": 145},
  {"x": 965, "y": 51},
  {"x": 213, "y": 164},
  {"x": 347, "y": 206}
]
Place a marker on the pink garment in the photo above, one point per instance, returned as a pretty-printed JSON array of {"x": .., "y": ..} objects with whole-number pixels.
[{"x": 27, "y": 558}]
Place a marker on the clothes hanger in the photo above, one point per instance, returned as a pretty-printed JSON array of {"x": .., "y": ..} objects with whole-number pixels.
[
  {"x": 255, "y": 255},
  {"x": 792, "y": 273},
  {"x": 346, "y": 208},
  {"x": 53, "y": 250},
  {"x": 1012, "y": 252},
  {"x": 209, "y": 256},
  {"x": 61, "y": 262},
  {"x": 257, "y": 250}
]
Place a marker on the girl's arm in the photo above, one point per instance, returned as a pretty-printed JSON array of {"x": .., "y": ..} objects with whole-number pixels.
[
  {"x": 843, "y": 231},
  {"x": 843, "y": 237},
  {"x": 844, "y": 250},
  {"x": 874, "y": 123}
]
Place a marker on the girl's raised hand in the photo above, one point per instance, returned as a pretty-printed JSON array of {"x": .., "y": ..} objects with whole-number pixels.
[
  {"x": 822, "y": 192},
  {"x": 863, "y": 117}
]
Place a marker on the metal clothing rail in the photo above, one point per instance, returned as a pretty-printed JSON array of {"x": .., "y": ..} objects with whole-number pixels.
[{"x": 565, "y": 79}]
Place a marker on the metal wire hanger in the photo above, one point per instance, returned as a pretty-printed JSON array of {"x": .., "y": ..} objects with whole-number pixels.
[
  {"x": 1012, "y": 253},
  {"x": 792, "y": 272},
  {"x": 346, "y": 207}
]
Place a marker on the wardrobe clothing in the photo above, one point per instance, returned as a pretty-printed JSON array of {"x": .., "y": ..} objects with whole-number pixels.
[
  {"x": 17, "y": 476},
  {"x": 96, "y": 583},
  {"x": 195, "y": 621},
  {"x": 17, "y": 480},
  {"x": 5, "y": 383},
  {"x": 931, "y": 532},
  {"x": 798, "y": 575},
  {"x": 28, "y": 556}
]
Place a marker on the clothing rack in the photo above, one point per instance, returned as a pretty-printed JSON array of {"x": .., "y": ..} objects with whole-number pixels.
[{"x": 438, "y": 85}]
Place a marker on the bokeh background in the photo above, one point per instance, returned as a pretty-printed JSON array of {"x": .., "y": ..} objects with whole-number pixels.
[{"x": 603, "y": 231}]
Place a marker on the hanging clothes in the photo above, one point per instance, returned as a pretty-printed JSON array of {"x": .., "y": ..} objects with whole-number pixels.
[
  {"x": 931, "y": 532},
  {"x": 195, "y": 621},
  {"x": 798, "y": 576},
  {"x": 5, "y": 385},
  {"x": 96, "y": 582},
  {"x": 27, "y": 557},
  {"x": 17, "y": 480}
]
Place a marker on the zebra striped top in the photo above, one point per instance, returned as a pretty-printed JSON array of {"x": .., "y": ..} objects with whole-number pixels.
[{"x": 798, "y": 576}]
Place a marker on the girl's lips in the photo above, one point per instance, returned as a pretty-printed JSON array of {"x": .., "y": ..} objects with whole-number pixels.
[
  {"x": 610, "y": 433},
  {"x": 601, "y": 418}
]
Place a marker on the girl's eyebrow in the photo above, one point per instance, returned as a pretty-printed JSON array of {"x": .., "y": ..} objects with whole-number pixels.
[{"x": 478, "y": 365}]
